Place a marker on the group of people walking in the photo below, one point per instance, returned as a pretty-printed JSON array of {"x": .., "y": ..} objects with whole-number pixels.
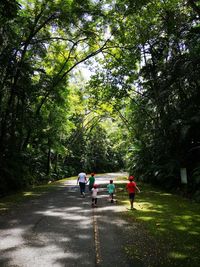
[
  {"x": 82, "y": 180},
  {"x": 131, "y": 187}
]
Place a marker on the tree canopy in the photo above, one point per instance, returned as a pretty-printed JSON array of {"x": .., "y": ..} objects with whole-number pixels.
[{"x": 139, "y": 110}]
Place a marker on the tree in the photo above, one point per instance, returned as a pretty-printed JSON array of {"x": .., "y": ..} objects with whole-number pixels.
[
  {"x": 43, "y": 42},
  {"x": 153, "y": 62}
]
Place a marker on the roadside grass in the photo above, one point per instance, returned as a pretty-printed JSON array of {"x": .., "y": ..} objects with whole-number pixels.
[
  {"x": 14, "y": 199},
  {"x": 121, "y": 178},
  {"x": 115, "y": 177},
  {"x": 171, "y": 221}
]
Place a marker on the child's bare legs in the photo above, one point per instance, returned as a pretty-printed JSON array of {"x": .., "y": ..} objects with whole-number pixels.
[
  {"x": 94, "y": 202},
  {"x": 132, "y": 197},
  {"x": 111, "y": 197},
  {"x": 131, "y": 202}
]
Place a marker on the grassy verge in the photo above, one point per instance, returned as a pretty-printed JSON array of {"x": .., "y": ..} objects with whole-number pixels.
[
  {"x": 169, "y": 227},
  {"x": 9, "y": 201}
]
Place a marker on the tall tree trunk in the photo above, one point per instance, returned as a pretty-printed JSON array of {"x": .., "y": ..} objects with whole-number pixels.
[{"x": 48, "y": 159}]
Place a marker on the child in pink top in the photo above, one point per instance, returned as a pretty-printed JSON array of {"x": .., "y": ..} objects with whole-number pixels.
[{"x": 94, "y": 195}]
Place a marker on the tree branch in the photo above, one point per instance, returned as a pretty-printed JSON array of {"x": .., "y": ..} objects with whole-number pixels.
[{"x": 194, "y": 6}]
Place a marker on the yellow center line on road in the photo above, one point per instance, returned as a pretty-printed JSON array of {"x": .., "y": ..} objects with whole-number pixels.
[{"x": 96, "y": 240}]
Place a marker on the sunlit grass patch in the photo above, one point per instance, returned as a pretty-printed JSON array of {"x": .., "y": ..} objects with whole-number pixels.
[
  {"x": 121, "y": 178},
  {"x": 66, "y": 179},
  {"x": 176, "y": 255},
  {"x": 171, "y": 220}
]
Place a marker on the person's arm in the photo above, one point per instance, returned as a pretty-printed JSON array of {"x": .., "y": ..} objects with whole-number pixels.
[
  {"x": 137, "y": 189},
  {"x": 77, "y": 179}
]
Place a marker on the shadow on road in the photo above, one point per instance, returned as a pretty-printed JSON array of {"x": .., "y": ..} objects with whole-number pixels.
[{"x": 58, "y": 229}]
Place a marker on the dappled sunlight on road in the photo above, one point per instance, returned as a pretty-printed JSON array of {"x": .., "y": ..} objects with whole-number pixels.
[
  {"x": 51, "y": 229},
  {"x": 48, "y": 234},
  {"x": 11, "y": 239},
  {"x": 51, "y": 253}
]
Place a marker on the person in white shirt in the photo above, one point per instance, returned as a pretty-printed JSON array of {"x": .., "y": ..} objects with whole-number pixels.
[
  {"x": 82, "y": 180},
  {"x": 94, "y": 195}
]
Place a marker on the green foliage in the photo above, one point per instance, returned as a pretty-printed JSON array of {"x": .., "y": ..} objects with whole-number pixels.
[
  {"x": 42, "y": 42},
  {"x": 153, "y": 62},
  {"x": 146, "y": 79}
]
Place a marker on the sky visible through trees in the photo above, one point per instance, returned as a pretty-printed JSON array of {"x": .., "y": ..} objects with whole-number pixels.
[{"x": 137, "y": 110}]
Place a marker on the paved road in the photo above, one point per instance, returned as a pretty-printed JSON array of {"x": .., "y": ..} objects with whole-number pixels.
[{"x": 61, "y": 229}]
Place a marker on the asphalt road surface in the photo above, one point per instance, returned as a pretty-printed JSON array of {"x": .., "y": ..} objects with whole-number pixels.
[{"x": 60, "y": 228}]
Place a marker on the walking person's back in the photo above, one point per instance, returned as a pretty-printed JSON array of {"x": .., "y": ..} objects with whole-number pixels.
[
  {"x": 91, "y": 181},
  {"x": 82, "y": 180},
  {"x": 111, "y": 190},
  {"x": 131, "y": 187}
]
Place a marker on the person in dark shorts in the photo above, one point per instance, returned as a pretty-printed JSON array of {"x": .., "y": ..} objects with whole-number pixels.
[
  {"x": 130, "y": 187},
  {"x": 91, "y": 181},
  {"x": 82, "y": 180}
]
